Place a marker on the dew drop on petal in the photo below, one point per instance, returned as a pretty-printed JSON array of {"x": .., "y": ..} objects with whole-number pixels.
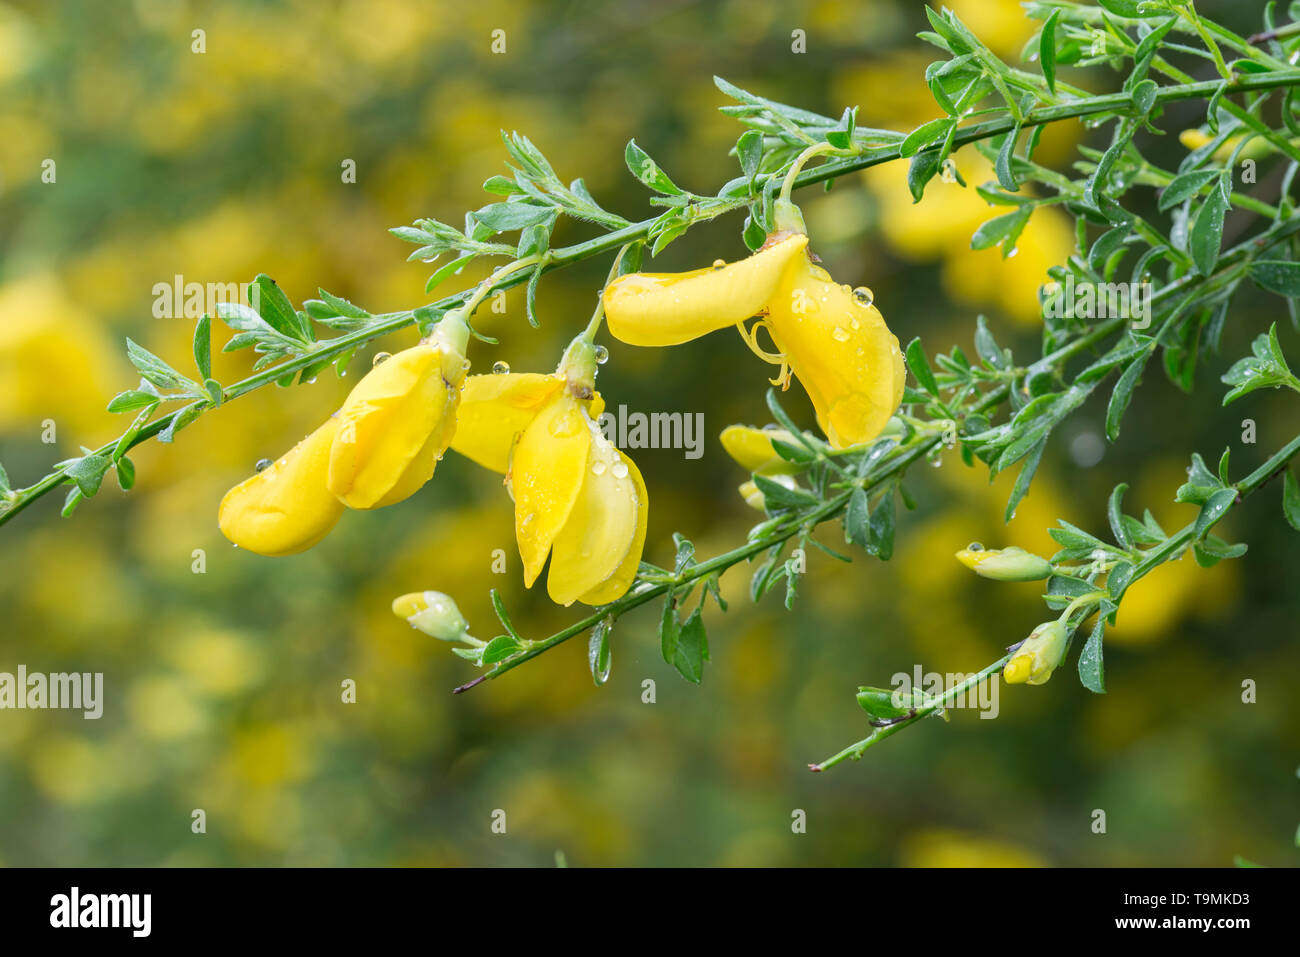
[
  {"x": 602, "y": 355},
  {"x": 719, "y": 263},
  {"x": 500, "y": 367},
  {"x": 262, "y": 464},
  {"x": 619, "y": 470},
  {"x": 975, "y": 547},
  {"x": 598, "y": 467},
  {"x": 840, "y": 334},
  {"x": 380, "y": 357},
  {"x": 864, "y": 296}
]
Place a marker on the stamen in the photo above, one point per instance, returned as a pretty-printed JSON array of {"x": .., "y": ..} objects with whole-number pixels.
[{"x": 750, "y": 338}]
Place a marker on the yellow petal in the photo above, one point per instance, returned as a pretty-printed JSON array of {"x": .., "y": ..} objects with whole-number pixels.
[
  {"x": 614, "y": 587},
  {"x": 285, "y": 508},
  {"x": 394, "y": 427},
  {"x": 597, "y": 538},
  {"x": 664, "y": 309},
  {"x": 546, "y": 476},
  {"x": 494, "y": 410},
  {"x": 752, "y": 449},
  {"x": 841, "y": 351}
]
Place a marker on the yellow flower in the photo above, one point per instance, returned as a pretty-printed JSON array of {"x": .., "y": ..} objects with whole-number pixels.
[
  {"x": 1004, "y": 564},
  {"x": 577, "y": 498},
  {"x": 752, "y": 449},
  {"x": 285, "y": 508},
  {"x": 1038, "y": 655},
  {"x": 828, "y": 336},
  {"x": 398, "y": 421},
  {"x": 754, "y": 496}
]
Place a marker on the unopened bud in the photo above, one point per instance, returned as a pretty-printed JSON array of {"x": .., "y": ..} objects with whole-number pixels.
[
  {"x": 1038, "y": 655},
  {"x": 435, "y": 614},
  {"x": 1004, "y": 564}
]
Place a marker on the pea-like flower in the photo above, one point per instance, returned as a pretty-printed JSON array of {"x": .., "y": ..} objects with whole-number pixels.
[
  {"x": 1038, "y": 655},
  {"x": 285, "y": 508},
  {"x": 1004, "y": 564},
  {"x": 398, "y": 420},
  {"x": 378, "y": 449},
  {"x": 577, "y": 498},
  {"x": 830, "y": 337}
]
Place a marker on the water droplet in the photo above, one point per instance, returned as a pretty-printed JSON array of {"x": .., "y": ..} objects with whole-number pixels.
[
  {"x": 602, "y": 355},
  {"x": 380, "y": 357},
  {"x": 598, "y": 467},
  {"x": 619, "y": 470},
  {"x": 840, "y": 334},
  {"x": 974, "y": 547},
  {"x": 719, "y": 263},
  {"x": 855, "y": 324},
  {"x": 864, "y": 296},
  {"x": 500, "y": 368},
  {"x": 262, "y": 464}
]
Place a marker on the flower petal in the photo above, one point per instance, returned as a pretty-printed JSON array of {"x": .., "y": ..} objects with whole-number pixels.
[
  {"x": 494, "y": 410},
  {"x": 752, "y": 449},
  {"x": 546, "y": 476},
  {"x": 664, "y": 309},
  {"x": 614, "y": 587},
  {"x": 394, "y": 426},
  {"x": 595, "y": 541},
  {"x": 841, "y": 351},
  {"x": 285, "y": 508}
]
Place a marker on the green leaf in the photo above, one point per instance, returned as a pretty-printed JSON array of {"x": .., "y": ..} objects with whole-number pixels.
[
  {"x": 1047, "y": 49},
  {"x": 1023, "y": 480},
  {"x": 647, "y": 170},
  {"x": 203, "y": 347},
  {"x": 509, "y": 216},
  {"x": 1092, "y": 670},
  {"x": 1116, "y": 516},
  {"x": 856, "y": 518},
  {"x": 924, "y": 135},
  {"x": 1277, "y": 276},
  {"x": 921, "y": 171},
  {"x": 1005, "y": 229},
  {"x": 1123, "y": 392},
  {"x": 749, "y": 150},
  {"x": 881, "y": 541},
  {"x": 275, "y": 308},
  {"x": 125, "y": 473},
  {"x": 154, "y": 369},
  {"x": 1213, "y": 510},
  {"x": 131, "y": 400},
  {"x": 1206, "y": 235},
  {"x": 499, "y": 649},
  {"x": 669, "y": 629},
  {"x": 777, "y": 497},
  {"x": 1185, "y": 186},
  {"x": 920, "y": 366},
  {"x": 88, "y": 473},
  {"x": 1291, "y": 500},
  {"x": 692, "y": 648}
]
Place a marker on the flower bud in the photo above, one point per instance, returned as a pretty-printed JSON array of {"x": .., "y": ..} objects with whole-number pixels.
[
  {"x": 1004, "y": 564},
  {"x": 435, "y": 614},
  {"x": 754, "y": 497},
  {"x": 752, "y": 449},
  {"x": 1038, "y": 655}
]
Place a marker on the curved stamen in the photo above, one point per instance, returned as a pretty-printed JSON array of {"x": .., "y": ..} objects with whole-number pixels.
[{"x": 750, "y": 338}]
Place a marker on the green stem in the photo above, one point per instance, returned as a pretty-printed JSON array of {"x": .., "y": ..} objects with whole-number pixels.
[{"x": 854, "y": 751}]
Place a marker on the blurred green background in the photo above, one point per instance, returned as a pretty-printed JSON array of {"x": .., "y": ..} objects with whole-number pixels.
[{"x": 223, "y": 688}]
